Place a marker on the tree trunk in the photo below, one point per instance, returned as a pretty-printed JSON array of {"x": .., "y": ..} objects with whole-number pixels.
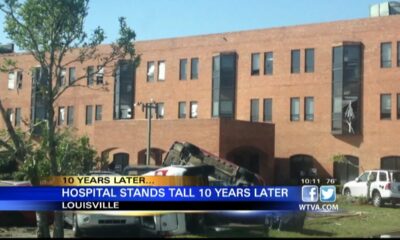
[
  {"x": 58, "y": 231},
  {"x": 42, "y": 225}
]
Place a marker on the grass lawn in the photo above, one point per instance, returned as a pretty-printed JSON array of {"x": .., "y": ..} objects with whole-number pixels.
[{"x": 362, "y": 221}]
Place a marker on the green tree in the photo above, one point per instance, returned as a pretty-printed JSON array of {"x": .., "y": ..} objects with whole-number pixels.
[{"x": 51, "y": 31}]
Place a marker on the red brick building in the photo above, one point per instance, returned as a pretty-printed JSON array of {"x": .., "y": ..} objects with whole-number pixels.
[{"x": 282, "y": 101}]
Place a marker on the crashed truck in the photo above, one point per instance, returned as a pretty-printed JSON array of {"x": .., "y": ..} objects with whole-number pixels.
[{"x": 182, "y": 157}]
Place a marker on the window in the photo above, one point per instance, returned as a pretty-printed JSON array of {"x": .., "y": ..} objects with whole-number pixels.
[
  {"x": 182, "y": 110},
  {"x": 386, "y": 55},
  {"x": 398, "y": 54},
  {"x": 70, "y": 115},
  {"x": 268, "y": 63},
  {"x": 99, "y": 112},
  {"x": 194, "y": 68},
  {"x": 255, "y": 64},
  {"x": 386, "y": 106},
  {"x": 309, "y": 60},
  {"x": 390, "y": 163},
  {"x": 295, "y": 109},
  {"x": 63, "y": 76},
  {"x": 100, "y": 75},
  {"x": 193, "y": 109},
  {"x": 254, "y": 105},
  {"x": 71, "y": 75},
  {"x": 382, "y": 176},
  {"x": 160, "y": 110},
  {"x": 301, "y": 166},
  {"x": 161, "y": 70},
  {"x": 363, "y": 177},
  {"x": 10, "y": 114},
  {"x": 268, "y": 110},
  {"x": 398, "y": 106},
  {"x": 19, "y": 80},
  {"x": 61, "y": 115},
  {"x": 309, "y": 109},
  {"x": 89, "y": 115},
  {"x": 90, "y": 76},
  {"x": 11, "y": 80},
  {"x": 182, "y": 69},
  {"x": 18, "y": 117},
  {"x": 124, "y": 90},
  {"x": 295, "y": 66},
  {"x": 150, "y": 71}
]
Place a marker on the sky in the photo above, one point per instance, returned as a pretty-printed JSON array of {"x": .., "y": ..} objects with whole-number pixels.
[{"x": 155, "y": 19}]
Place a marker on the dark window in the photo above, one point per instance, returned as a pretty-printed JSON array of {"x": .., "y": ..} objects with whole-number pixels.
[
  {"x": 61, "y": 115},
  {"x": 123, "y": 90},
  {"x": 386, "y": 55},
  {"x": 268, "y": 63},
  {"x": 346, "y": 170},
  {"x": 255, "y": 64},
  {"x": 254, "y": 106},
  {"x": 224, "y": 85},
  {"x": 19, "y": 80},
  {"x": 150, "y": 71},
  {"x": 182, "y": 110},
  {"x": 398, "y": 54},
  {"x": 89, "y": 115},
  {"x": 182, "y": 69},
  {"x": 18, "y": 117},
  {"x": 383, "y": 176},
  {"x": 71, "y": 75},
  {"x": 193, "y": 109},
  {"x": 390, "y": 163},
  {"x": 160, "y": 110},
  {"x": 295, "y": 66},
  {"x": 161, "y": 70},
  {"x": 398, "y": 106},
  {"x": 90, "y": 75},
  {"x": 99, "y": 112},
  {"x": 100, "y": 75},
  {"x": 268, "y": 110},
  {"x": 309, "y": 109},
  {"x": 194, "y": 68},
  {"x": 70, "y": 115},
  {"x": 386, "y": 106},
  {"x": 309, "y": 60},
  {"x": 295, "y": 109}
]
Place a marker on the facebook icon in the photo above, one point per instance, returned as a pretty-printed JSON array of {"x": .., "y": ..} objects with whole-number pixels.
[{"x": 309, "y": 193}]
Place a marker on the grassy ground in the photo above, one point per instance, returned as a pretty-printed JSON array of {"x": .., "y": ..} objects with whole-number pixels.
[{"x": 359, "y": 221}]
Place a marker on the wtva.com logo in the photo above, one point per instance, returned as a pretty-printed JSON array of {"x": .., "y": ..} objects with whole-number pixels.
[{"x": 309, "y": 194}]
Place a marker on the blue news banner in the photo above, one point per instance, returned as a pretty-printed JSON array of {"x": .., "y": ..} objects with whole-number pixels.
[{"x": 149, "y": 198}]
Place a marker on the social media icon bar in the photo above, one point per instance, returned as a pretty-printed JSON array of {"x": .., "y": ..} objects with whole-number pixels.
[
  {"x": 309, "y": 193},
  {"x": 327, "y": 194}
]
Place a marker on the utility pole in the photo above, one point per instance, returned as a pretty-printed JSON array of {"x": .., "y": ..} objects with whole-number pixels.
[{"x": 147, "y": 107}]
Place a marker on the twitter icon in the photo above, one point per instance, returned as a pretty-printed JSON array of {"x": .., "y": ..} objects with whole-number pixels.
[{"x": 327, "y": 194}]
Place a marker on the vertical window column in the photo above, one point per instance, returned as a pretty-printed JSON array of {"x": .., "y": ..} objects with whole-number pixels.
[
  {"x": 90, "y": 76},
  {"x": 194, "y": 69},
  {"x": 70, "y": 115},
  {"x": 295, "y": 61},
  {"x": 182, "y": 69},
  {"x": 161, "y": 71},
  {"x": 398, "y": 106},
  {"x": 160, "y": 110},
  {"x": 309, "y": 109},
  {"x": 150, "y": 71},
  {"x": 89, "y": 115},
  {"x": 254, "y": 106},
  {"x": 18, "y": 117},
  {"x": 295, "y": 109},
  {"x": 71, "y": 75},
  {"x": 182, "y": 110},
  {"x": 386, "y": 106},
  {"x": 99, "y": 113},
  {"x": 268, "y": 110},
  {"x": 386, "y": 55},
  {"x": 61, "y": 115},
  {"x": 310, "y": 61},
  {"x": 268, "y": 63},
  {"x": 193, "y": 109},
  {"x": 255, "y": 64}
]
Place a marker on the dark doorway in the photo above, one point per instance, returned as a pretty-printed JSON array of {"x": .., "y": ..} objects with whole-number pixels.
[
  {"x": 120, "y": 161},
  {"x": 302, "y": 166},
  {"x": 156, "y": 157},
  {"x": 247, "y": 157},
  {"x": 346, "y": 170}
]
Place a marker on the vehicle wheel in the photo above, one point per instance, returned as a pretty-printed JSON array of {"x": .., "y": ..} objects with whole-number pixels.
[
  {"x": 377, "y": 199},
  {"x": 75, "y": 227}
]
